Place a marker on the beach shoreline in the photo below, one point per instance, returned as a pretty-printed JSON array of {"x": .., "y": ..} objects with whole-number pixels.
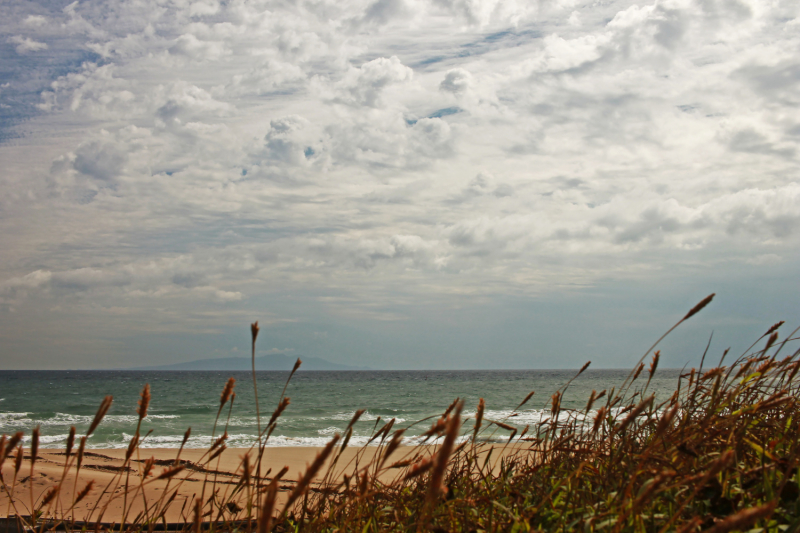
[{"x": 106, "y": 469}]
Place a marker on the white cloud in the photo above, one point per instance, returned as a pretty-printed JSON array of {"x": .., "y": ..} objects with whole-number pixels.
[
  {"x": 26, "y": 44},
  {"x": 35, "y": 21},
  {"x": 456, "y": 81},
  {"x": 271, "y": 76},
  {"x": 32, "y": 280},
  {"x": 181, "y": 102},
  {"x": 385, "y": 11},
  {"x": 363, "y": 86},
  {"x": 483, "y": 12},
  {"x": 203, "y": 8},
  {"x": 191, "y": 47},
  {"x": 291, "y": 141}
]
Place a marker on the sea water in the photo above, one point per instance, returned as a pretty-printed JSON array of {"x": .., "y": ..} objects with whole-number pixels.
[{"x": 322, "y": 403}]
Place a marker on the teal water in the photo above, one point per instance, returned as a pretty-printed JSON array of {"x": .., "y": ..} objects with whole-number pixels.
[{"x": 322, "y": 403}]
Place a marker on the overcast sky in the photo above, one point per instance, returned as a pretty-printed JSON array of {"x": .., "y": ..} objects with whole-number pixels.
[{"x": 396, "y": 184}]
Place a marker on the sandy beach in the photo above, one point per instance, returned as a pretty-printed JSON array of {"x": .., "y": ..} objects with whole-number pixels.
[{"x": 106, "y": 469}]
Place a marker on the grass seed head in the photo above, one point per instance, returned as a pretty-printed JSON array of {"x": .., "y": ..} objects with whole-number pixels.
[
  {"x": 105, "y": 405},
  {"x": 48, "y": 496},
  {"x": 18, "y": 459},
  {"x": 699, "y": 307},
  {"x": 771, "y": 341},
  {"x": 599, "y": 418},
  {"x": 148, "y": 466},
  {"x": 555, "y": 403},
  {"x": 774, "y": 328},
  {"x": 282, "y": 472},
  {"x": 246, "y": 469},
  {"x": 507, "y": 427},
  {"x": 198, "y": 515},
  {"x": 226, "y": 392},
  {"x": 654, "y": 363},
  {"x": 254, "y": 329},
  {"x": 83, "y": 493},
  {"x": 638, "y": 371},
  {"x": 592, "y": 398},
  {"x": 171, "y": 472},
  {"x": 478, "y": 418},
  {"x": 79, "y": 455},
  {"x": 144, "y": 401},
  {"x": 451, "y": 407},
  {"x": 355, "y": 418},
  {"x": 11, "y": 443},
  {"x": 528, "y": 397},
  {"x": 218, "y": 442},
  {"x": 634, "y": 414},
  {"x": 34, "y": 445},
  {"x": 665, "y": 421},
  {"x": 397, "y": 438},
  {"x": 70, "y": 441},
  {"x": 217, "y": 452},
  {"x": 284, "y": 403},
  {"x": 443, "y": 456},
  {"x": 131, "y": 447},
  {"x": 419, "y": 468},
  {"x": 437, "y": 428}
]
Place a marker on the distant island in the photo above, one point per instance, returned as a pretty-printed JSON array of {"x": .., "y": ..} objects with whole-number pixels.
[{"x": 265, "y": 362}]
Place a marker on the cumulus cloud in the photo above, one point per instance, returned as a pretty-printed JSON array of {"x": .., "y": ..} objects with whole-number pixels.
[
  {"x": 184, "y": 101},
  {"x": 270, "y": 77},
  {"x": 189, "y": 46},
  {"x": 34, "y": 21},
  {"x": 98, "y": 161},
  {"x": 293, "y": 142},
  {"x": 26, "y": 44},
  {"x": 456, "y": 81},
  {"x": 364, "y": 85}
]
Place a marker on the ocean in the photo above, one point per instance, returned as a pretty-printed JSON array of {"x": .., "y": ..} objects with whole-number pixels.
[{"x": 322, "y": 402}]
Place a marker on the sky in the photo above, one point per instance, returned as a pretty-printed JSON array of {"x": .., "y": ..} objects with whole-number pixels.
[{"x": 398, "y": 184}]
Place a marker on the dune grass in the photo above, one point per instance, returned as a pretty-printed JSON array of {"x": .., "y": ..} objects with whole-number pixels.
[{"x": 720, "y": 454}]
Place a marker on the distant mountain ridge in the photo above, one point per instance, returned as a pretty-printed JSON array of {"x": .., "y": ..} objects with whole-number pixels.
[{"x": 264, "y": 362}]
